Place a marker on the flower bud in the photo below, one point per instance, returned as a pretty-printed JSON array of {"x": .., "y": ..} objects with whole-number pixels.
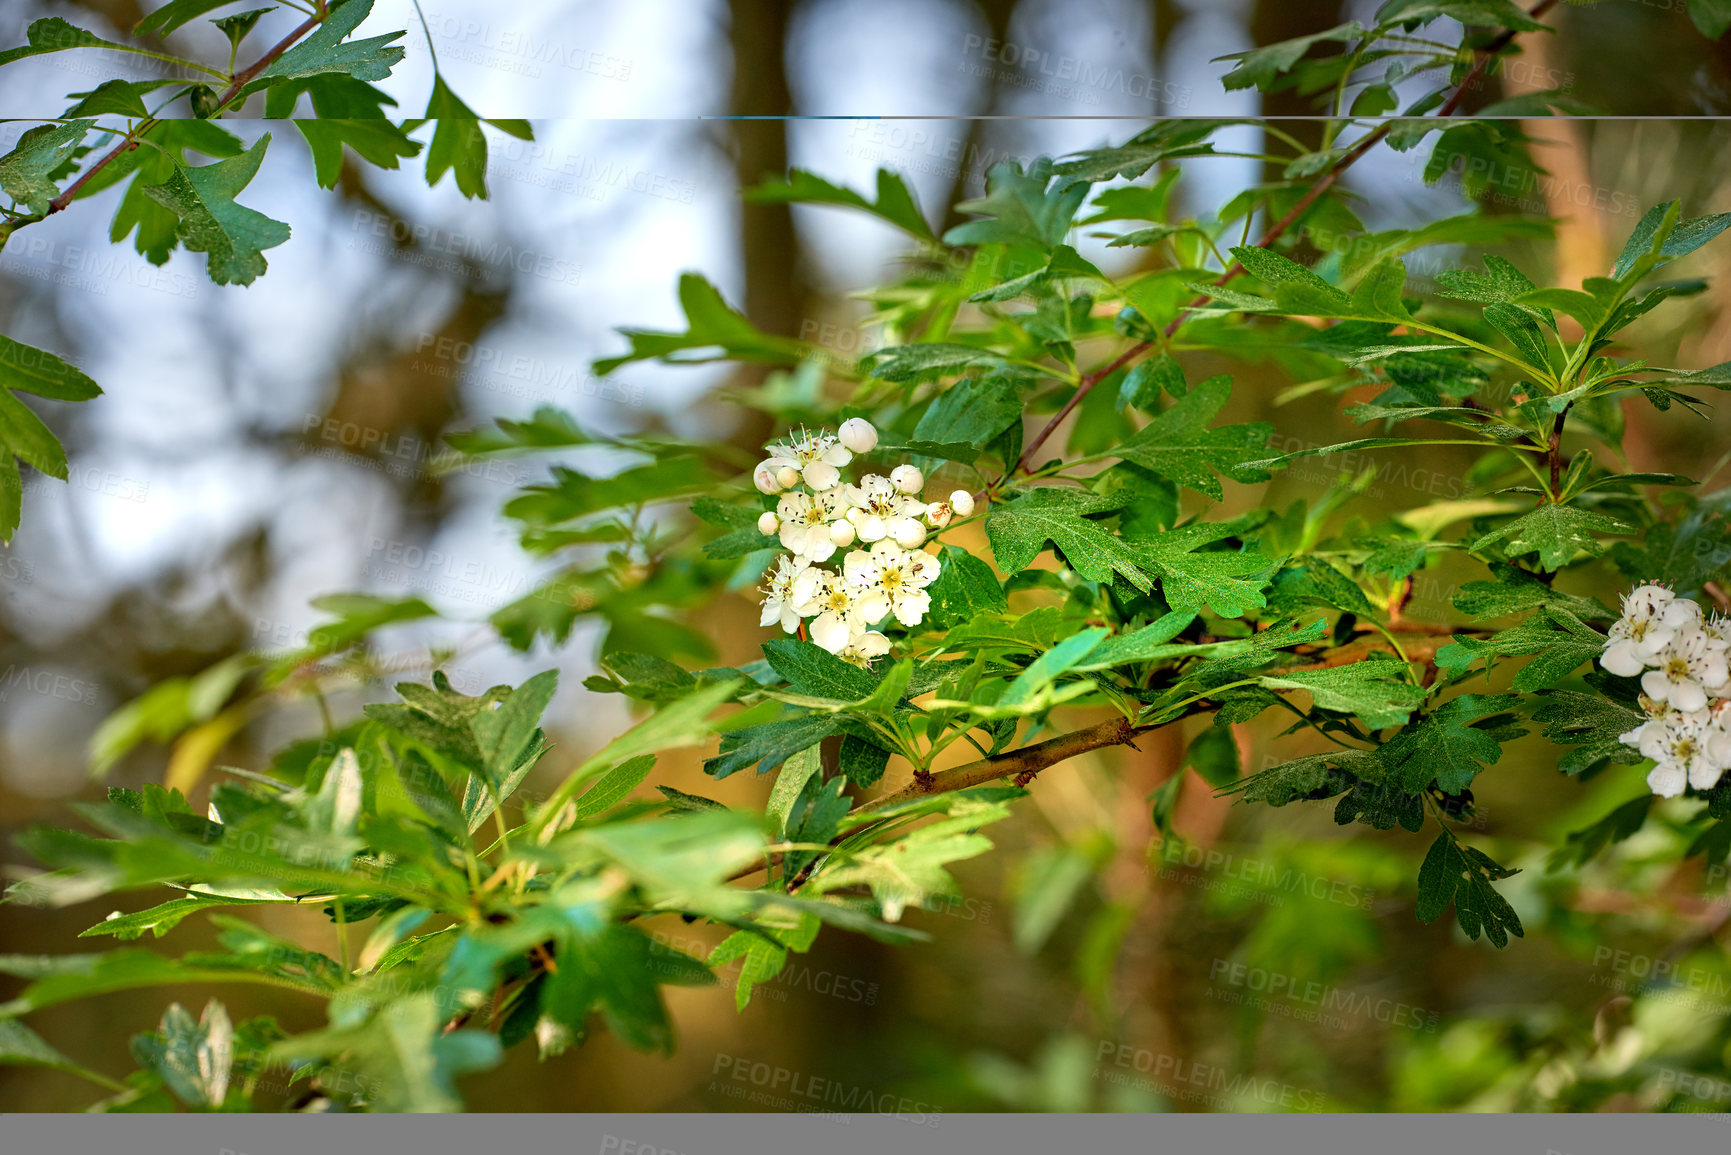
[
  {"x": 907, "y": 479},
  {"x": 821, "y": 475},
  {"x": 765, "y": 479},
  {"x": 873, "y": 529},
  {"x": 858, "y": 435},
  {"x": 787, "y": 477},
  {"x": 938, "y": 514},
  {"x": 841, "y": 532},
  {"x": 769, "y": 524},
  {"x": 962, "y": 502},
  {"x": 908, "y": 533}
]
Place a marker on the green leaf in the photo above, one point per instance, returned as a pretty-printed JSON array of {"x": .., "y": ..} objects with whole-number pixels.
[
  {"x": 193, "y": 1058},
  {"x": 1213, "y": 754},
  {"x": 972, "y": 411},
  {"x": 1681, "y": 239},
  {"x": 1166, "y": 140},
  {"x": 1296, "y": 289},
  {"x": 1148, "y": 643},
  {"x": 115, "y": 98},
  {"x": 770, "y": 744},
  {"x": 1515, "y": 591},
  {"x": 1179, "y": 444},
  {"x": 403, "y": 1052},
  {"x": 1712, "y": 17},
  {"x": 233, "y": 235},
  {"x": 1592, "y": 723},
  {"x": 506, "y": 734},
  {"x": 909, "y": 362},
  {"x": 715, "y": 331},
  {"x": 22, "y": 1047},
  {"x": 895, "y": 201},
  {"x": 52, "y": 34},
  {"x": 24, "y": 436},
  {"x": 27, "y": 173},
  {"x": 1376, "y": 691},
  {"x": 1020, "y": 529},
  {"x": 1192, "y": 577},
  {"x": 1462, "y": 875},
  {"x": 458, "y": 145},
  {"x": 965, "y": 587},
  {"x": 1555, "y": 532},
  {"x": 1045, "y": 886},
  {"x": 176, "y": 13},
  {"x": 1261, "y": 67},
  {"x": 377, "y": 141},
  {"x": 905, "y": 872},
  {"x": 1495, "y": 13},
  {"x": 1311, "y": 778},
  {"x": 790, "y": 784},
  {"x": 237, "y": 27},
  {"x": 1021, "y": 206},
  {"x": 614, "y": 786},
  {"x": 1583, "y": 845},
  {"x": 1030, "y": 685},
  {"x": 328, "y": 49},
  {"x": 1064, "y": 264},
  {"x": 811, "y": 669},
  {"x": 1448, "y": 745}
]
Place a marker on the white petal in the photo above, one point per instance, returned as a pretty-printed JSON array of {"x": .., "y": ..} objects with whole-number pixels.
[
  {"x": 1656, "y": 685},
  {"x": 1688, "y": 696},
  {"x": 1667, "y": 779},
  {"x": 831, "y": 632},
  {"x": 1622, "y": 659}
]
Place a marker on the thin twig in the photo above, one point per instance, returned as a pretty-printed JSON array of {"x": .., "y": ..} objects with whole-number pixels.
[
  {"x": 239, "y": 81},
  {"x": 1274, "y": 233}
]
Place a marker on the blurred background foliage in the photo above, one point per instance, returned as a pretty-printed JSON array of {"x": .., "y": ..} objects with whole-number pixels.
[{"x": 258, "y": 448}]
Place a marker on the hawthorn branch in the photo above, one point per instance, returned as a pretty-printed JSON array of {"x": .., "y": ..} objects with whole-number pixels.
[
  {"x": 1351, "y": 157},
  {"x": 236, "y": 83}
]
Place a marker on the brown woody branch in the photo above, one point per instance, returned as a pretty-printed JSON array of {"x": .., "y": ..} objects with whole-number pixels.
[{"x": 1275, "y": 232}]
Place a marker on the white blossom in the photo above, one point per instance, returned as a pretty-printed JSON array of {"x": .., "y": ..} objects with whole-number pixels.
[
  {"x": 842, "y": 611},
  {"x": 1677, "y": 742},
  {"x": 769, "y": 525},
  {"x": 908, "y": 533},
  {"x": 1684, "y": 671},
  {"x": 1652, "y": 617},
  {"x": 792, "y": 582},
  {"x": 842, "y": 533},
  {"x": 938, "y": 514},
  {"x": 900, "y": 575},
  {"x": 962, "y": 502},
  {"x": 907, "y": 479},
  {"x": 863, "y": 648},
  {"x": 858, "y": 435},
  {"x": 805, "y": 519},
  {"x": 875, "y": 504}
]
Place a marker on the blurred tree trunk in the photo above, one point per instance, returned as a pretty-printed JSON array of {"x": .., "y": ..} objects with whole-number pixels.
[
  {"x": 997, "y": 14},
  {"x": 1277, "y": 20},
  {"x": 774, "y": 288}
]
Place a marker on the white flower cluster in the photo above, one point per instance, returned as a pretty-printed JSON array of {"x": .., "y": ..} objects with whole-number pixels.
[
  {"x": 1681, "y": 659},
  {"x": 820, "y": 514}
]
